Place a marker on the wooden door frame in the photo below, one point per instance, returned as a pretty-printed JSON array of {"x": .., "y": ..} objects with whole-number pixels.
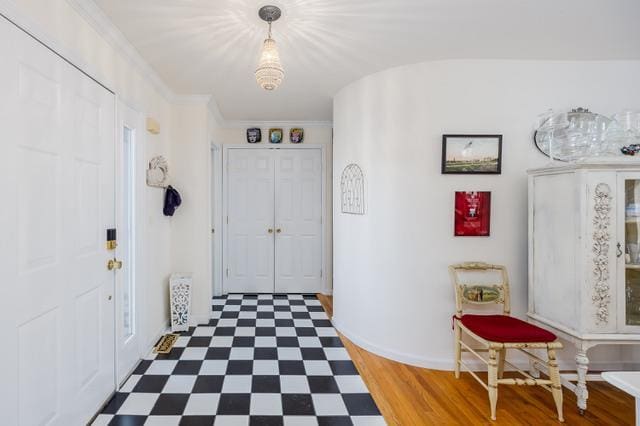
[{"x": 225, "y": 206}]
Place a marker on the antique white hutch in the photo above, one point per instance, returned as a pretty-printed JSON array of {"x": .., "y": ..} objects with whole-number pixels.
[{"x": 584, "y": 261}]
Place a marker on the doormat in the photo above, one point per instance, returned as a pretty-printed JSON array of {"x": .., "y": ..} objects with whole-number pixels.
[{"x": 166, "y": 343}]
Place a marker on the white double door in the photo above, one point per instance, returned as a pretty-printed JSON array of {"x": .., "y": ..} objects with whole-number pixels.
[
  {"x": 274, "y": 221},
  {"x": 58, "y": 169}
]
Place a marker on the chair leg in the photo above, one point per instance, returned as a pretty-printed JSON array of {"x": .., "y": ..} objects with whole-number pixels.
[
  {"x": 556, "y": 385},
  {"x": 502, "y": 354},
  {"x": 493, "y": 381},
  {"x": 457, "y": 349}
]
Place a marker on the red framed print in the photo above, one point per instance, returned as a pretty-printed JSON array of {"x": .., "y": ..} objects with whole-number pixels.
[{"x": 472, "y": 214}]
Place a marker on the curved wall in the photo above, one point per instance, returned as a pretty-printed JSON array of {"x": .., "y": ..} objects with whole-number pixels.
[{"x": 392, "y": 294}]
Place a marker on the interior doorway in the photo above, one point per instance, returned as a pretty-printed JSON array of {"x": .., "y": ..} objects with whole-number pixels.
[{"x": 273, "y": 220}]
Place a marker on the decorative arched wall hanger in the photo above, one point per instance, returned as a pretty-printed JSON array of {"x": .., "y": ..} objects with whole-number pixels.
[{"x": 352, "y": 186}]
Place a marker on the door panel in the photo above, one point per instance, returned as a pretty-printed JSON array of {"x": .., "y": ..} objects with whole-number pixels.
[
  {"x": 298, "y": 217},
  {"x": 39, "y": 384},
  {"x": 57, "y": 131},
  {"x": 250, "y": 199}
]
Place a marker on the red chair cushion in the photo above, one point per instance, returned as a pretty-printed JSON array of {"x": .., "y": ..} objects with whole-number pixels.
[{"x": 503, "y": 328}]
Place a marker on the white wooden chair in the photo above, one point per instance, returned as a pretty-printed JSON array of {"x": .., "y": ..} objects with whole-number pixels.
[{"x": 497, "y": 333}]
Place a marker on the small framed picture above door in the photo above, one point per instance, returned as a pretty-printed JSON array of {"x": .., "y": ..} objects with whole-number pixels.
[
  {"x": 472, "y": 154},
  {"x": 275, "y": 135}
]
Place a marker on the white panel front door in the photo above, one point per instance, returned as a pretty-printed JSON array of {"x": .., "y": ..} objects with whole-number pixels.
[
  {"x": 250, "y": 199},
  {"x": 298, "y": 221},
  {"x": 56, "y": 130}
]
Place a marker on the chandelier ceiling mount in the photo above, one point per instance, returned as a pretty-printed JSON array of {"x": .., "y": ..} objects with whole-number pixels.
[{"x": 269, "y": 73}]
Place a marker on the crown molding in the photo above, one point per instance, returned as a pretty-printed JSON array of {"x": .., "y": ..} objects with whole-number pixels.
[
  {"x": 105, "y": 28},
  {"x": 276, "y": 123},
  {"x": 103, "y": 25},
  {"x": 9, "y": 9},
  {"x": 212, "y": 106},
  {"x": 112, "y": 35},
  {"x": 191, "y": 99}
]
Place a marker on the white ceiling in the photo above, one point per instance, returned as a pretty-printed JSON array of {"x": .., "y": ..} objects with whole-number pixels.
[{"x": 212, "y": 46}]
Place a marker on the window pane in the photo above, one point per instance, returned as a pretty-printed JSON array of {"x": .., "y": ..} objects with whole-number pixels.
[
  {"x": 632, "y": 254},
  {"x": 127, "y": 246}
]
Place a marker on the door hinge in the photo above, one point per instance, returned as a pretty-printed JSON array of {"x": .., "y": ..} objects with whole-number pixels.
[
  {"x": 227, "y": 272},
  {"x": 320, "y": 273},
  {"x": 227, "y": 220}
]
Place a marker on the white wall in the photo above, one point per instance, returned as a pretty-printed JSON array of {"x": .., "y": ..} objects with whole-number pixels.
[
  {"x": 392, "y": 294},
  {"x": 191, "y": 225},
  {"x": 61, "y": 26}
]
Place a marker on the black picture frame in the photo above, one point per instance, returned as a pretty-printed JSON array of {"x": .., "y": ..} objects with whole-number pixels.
[
  {"x": 254, "y": 135},
  {"x": 487, "y": 166}
]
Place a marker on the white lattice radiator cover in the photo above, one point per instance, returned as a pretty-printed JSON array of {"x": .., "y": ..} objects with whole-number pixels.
[{"x": 180, "y": 300}]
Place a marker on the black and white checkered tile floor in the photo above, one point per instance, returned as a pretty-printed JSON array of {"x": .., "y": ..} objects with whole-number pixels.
[{"x": 261, "y": 360}]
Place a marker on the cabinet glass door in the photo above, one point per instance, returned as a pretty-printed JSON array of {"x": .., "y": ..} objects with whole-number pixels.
[{"x": 632, "y": 251}]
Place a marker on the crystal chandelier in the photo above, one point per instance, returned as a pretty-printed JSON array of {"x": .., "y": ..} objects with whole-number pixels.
[{"x": 269, "y": 73}]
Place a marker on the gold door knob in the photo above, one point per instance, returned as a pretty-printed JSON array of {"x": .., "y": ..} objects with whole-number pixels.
[
  {"x": 114, "y": 264},
  {"x": 270, "y": 230},
  {"x": 278, "y": 230}
]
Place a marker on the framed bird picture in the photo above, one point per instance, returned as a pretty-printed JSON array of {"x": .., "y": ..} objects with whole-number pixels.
[{"x": 472, "y": 154}]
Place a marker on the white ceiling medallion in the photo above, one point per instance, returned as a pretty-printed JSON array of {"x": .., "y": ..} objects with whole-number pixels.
[{"x": 269, "y": 73}]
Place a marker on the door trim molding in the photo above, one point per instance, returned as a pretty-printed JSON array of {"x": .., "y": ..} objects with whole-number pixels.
[
  {"x": 216, "y": 174},
  {"x": 128, "y": 114},
  {"x": 324, "y": 240}
]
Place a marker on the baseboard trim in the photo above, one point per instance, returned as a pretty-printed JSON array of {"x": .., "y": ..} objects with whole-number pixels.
[
  {"x": 445, "y": 364},
  {"x": 197, "y": 320},
  {"x": 417, "y": 361},
  {"x": 148, "y": 347}
]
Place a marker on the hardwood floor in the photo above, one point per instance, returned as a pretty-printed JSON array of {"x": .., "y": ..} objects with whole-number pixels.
[{"x": 408, "y": 395}]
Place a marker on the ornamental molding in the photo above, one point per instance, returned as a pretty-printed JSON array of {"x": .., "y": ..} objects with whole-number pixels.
[{"x": 601, "y": 238}]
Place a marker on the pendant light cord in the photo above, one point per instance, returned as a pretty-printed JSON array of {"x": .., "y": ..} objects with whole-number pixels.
[{"x": 269, "y": 29}]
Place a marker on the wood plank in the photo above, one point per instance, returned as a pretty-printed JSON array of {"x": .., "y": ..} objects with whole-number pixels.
[{"x": 408, "y": 395}]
